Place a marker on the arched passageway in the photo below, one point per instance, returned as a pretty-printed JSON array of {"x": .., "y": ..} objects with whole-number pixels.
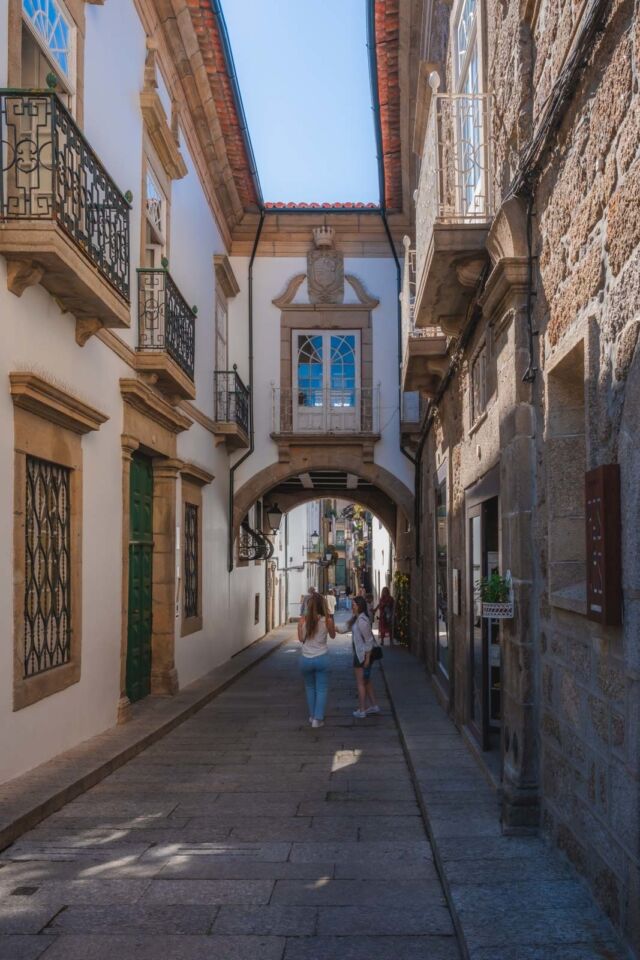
[{"x": 341, "y": 476}]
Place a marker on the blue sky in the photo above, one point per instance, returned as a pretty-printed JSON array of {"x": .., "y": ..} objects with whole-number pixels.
[{"x": 303, "y": 72}]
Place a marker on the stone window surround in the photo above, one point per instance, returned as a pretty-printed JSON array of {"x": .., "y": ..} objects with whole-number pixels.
[
  {"x": 571, "y": 597},
  {"x": 48, "y": 424},
  {"x": 193, "y": 480},
  {"x": 338, "y": 317},
  {"x": 151, "y": 425},
  {"x": 75, "y": 8},
  {"x": 150, "y": 160}
]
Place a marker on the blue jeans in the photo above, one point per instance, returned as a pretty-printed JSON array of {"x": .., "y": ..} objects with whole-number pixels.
[{"x": 315, "y": 673}]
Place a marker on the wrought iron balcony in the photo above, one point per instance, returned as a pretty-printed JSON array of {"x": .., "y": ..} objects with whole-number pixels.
[
  {"x": 326, "y": 412},
  {"x": 454, "y": 201},
  {"x": 54, "y": 189},
  {"x": 231, "y": 408},
  {"x": 253, "y": 545},
  {"x": 166, "y": 332}
]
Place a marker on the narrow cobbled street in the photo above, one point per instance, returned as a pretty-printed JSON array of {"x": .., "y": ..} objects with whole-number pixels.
[{"x": 241, "y": 834}]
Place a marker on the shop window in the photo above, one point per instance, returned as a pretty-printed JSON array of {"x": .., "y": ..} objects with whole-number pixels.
[{"x": 566, "y": 464}]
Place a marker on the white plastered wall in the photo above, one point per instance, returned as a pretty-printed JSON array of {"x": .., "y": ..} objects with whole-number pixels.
[{"x": 38, "y": 337}]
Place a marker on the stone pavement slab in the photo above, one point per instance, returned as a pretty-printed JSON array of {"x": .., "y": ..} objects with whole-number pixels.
[
  {"x": 28, "y": 799},
  {"x": 511, "y": 898},
  {"x": 242, "y": 833}
]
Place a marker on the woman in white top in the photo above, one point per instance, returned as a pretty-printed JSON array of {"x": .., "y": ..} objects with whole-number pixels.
[
  {"x": 363, "y": 643},
  {"x": 313, "y": 630}
]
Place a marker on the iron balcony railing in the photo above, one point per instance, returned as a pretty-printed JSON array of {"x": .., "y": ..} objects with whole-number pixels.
[
  {"x": 455, "y": 185},
  {"x": 231, "y": 398},
  {"x": 408, "y": 302},
  {"x": 48, "y": 171},
  {"x": 165, "y": 320},
  {"x": 348, "y": 410}
]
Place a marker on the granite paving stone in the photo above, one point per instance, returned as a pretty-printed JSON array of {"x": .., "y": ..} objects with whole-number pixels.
[
  {"x": 512, "y": 897},
  {"x": 241, "y": 833},
  {"x": 372, "y": 948},
  {"x": 22, "y": 947}
]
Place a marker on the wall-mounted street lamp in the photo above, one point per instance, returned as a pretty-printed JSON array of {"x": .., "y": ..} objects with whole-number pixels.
[
  {"x": 314, "y": 540},
  {"x": 274, "y": 517}
]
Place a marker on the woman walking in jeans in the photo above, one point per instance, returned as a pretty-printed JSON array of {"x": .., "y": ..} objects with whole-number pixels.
[{"x": 313, "y": 630}]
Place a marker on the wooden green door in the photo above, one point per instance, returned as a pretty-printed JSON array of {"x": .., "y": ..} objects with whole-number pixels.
[{"x": 140, "y": 570}]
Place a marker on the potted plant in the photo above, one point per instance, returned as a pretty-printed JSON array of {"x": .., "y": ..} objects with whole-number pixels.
[{"x": 496, "y": 593}]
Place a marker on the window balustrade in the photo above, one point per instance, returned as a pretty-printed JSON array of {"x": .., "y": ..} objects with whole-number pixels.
[
  {"x": 351, "y": 410},
  {"x": 48, "y": 172},
  {"x": 166, "y": 322},
  {"x": 231, "y": 399}
]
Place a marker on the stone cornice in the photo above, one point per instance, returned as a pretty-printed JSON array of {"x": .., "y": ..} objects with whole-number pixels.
[
  {"x": 195, "y": 474},
  {"x": 161, "y": 135},
  {"x": 225, "y": 276},
  {"x": 142, "y": 398},
  {"x": 35, "y": 394}
]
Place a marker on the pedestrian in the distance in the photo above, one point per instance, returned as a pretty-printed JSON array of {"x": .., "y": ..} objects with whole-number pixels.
[
  {"x": 363, "y": 643},
  {"x": 330, "y": 601},
  {"x": 385, "y": 614},
  {"x": 368, "y": 599},
  {"x": 314, "y": 628}
]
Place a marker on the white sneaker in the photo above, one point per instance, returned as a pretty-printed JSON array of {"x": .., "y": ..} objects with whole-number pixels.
[
  {"x": 375, "y": 709},
  {"x": 317, "y": 723},
  {"x": 360, "y": 714},
  {"x": 310, "y": 720}
]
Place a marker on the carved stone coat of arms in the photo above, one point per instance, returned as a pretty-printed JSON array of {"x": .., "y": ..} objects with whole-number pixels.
[{"x": 325, "y": 269}]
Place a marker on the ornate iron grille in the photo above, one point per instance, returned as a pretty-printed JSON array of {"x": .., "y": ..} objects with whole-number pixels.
[
  {"x": 455, "y": 175},
  {"x": 231, "y": 398},
  {"x": 47, "y": 597},
  {"x": 253, "y": 545},
  {"x": 165, "y": 320},
  {"x": 48, "y": 171},
  {"x": 190, "y": 560}
]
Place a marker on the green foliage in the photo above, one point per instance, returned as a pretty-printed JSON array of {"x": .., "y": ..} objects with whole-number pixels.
[
  {"x": 401, "y": 610},
  {"x": 494, "y": 589}
]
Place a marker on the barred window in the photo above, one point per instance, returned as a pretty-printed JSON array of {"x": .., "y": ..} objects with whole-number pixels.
[
  {"x": 191, "y": 560},
  {"x": 47, "y": 602},
  {"x": 479, "y": 384}
]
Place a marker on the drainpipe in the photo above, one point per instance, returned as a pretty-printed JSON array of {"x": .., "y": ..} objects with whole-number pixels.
[{"x": 247, "y": 454}]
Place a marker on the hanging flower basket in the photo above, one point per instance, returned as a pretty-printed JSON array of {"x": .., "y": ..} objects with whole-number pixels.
[{"x": 496, "y": 593}]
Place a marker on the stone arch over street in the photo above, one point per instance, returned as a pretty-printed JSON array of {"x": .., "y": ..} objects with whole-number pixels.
[{"x": 369, "y": 484}]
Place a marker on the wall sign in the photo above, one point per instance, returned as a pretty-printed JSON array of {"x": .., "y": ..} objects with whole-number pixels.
[{"x": 604, "y": 566}]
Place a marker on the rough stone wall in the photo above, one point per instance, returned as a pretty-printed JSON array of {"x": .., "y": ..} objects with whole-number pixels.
[
  {"x": 580, "y": 682},
  {"x": 588, "y": 231}
]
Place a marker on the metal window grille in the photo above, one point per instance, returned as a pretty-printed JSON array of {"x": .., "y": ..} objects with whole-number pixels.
[
  {"x": 190, "y": 560},
  {"x": 47, "y": 600},
  {"x": 479, "y": 384}
]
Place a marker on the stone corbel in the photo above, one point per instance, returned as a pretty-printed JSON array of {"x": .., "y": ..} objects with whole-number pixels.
[
  {"x": 86, "y": 327},
  {"x": 22, "y": 274},
  {"x": 452, "y": 325},
  {"x": 158, "y": 125},
  {"x": 225, "y": 277}
]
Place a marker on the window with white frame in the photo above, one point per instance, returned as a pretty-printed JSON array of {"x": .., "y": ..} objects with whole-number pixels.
[
  {"x": 155, "y": 220},
  {"x": 48, "y": 43},
  {"x": 469, "y": 107}
]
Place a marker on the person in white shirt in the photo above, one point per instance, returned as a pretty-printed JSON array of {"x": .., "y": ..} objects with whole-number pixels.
[
  {"x": 363, "y": 644},
  {"x": 330, "y": 601},
  {"x": 313, "y": 630}
]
